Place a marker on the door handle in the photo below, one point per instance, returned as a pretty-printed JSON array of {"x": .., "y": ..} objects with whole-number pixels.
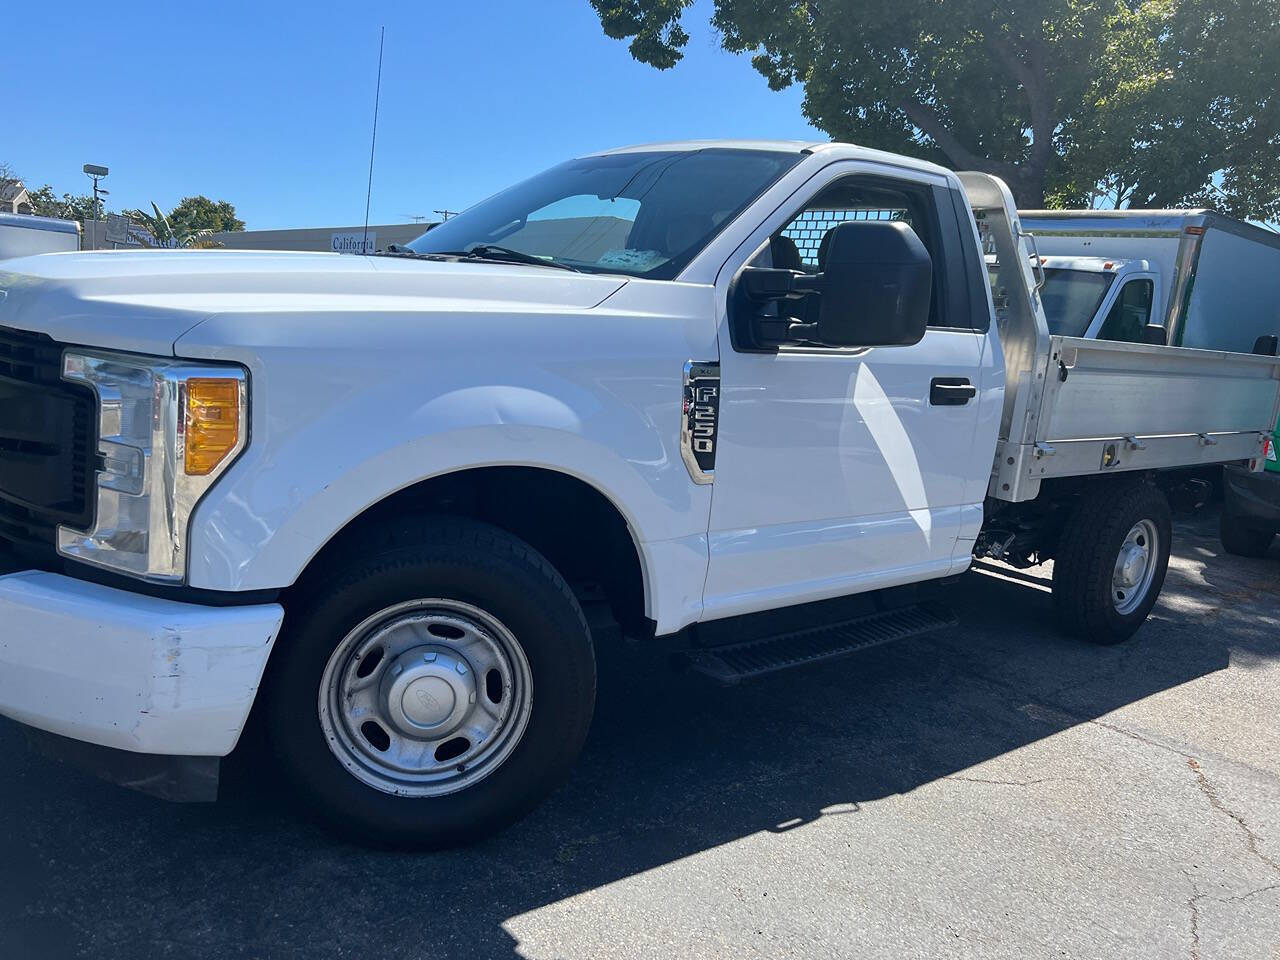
[{"x": 951, "y": 391}]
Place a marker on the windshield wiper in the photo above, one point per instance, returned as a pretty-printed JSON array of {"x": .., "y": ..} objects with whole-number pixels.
[
  {"x": 496, "y": 254},
  {"x": 400, "y": 250}
]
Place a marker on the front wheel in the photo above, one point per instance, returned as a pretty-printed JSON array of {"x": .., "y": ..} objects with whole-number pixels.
[
  {"x": 1111, "y": 561},
  {"x": 432, "y": 689}
]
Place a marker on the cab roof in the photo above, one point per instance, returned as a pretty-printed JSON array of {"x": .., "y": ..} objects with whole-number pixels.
[
  {"x": 774, "y": 146},
  {"x": 833, "y": 150}
]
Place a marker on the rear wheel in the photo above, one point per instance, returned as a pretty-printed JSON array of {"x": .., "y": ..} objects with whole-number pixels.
[
  {"x": 433, "y": 688},
  {"x": 1243, "y": 538},
  {"x": 1111, "y": 561}
]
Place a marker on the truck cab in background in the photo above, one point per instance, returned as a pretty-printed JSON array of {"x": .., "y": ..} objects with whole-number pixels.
[{"x": 1101, "y": 299}]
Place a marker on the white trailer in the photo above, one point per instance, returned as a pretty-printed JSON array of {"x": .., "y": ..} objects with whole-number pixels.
[
  {"x": 22, "y": 235},
  {"x": 1211, "y": 281}
]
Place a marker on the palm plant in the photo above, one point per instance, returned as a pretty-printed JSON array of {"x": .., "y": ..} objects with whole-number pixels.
[{"x": 166, "y": 236}]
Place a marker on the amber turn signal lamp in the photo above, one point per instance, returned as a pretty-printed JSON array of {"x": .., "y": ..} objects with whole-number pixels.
[{"x": 213, "y": 423}]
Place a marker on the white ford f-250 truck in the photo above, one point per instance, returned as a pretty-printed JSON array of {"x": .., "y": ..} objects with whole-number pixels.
[{"x": 387, "y": 501}]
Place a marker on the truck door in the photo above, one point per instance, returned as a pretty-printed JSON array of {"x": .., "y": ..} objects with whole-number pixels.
[
  {"x": 1126, "y": 311},
  {"x": 841, "y": 470}
]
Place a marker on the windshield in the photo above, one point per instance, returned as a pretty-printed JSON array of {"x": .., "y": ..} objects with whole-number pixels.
[
  {"x": 646, "y": 213},
  {"x": 1071, "y": 299}
]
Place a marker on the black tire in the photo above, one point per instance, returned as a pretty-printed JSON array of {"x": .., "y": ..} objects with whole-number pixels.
[
  {"x": 1086, "y": 560},
  {"x": 1242, "y": 538},
  {"x": 447, "y": 558}
]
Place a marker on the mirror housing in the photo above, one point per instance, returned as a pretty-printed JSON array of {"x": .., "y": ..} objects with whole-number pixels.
[
  {"x": 877, "y": 285},
  {"x": 1268, "y": 345},
  {"x": 1155, "y": 334},
  {"x": 875, "y": 291}
]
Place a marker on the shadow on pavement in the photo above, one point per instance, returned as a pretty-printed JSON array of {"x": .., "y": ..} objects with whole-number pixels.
[{"x": 673, "y": 767}]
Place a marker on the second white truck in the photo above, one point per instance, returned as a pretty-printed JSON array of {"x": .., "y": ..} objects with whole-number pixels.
[
  {"x": 1203, "y": 279},
  {"x": 746, "y": 400}
]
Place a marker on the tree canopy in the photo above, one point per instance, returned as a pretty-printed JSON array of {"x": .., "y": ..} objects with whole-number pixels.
[
  {"x": 1145, "y": 102},
  {"x": 200, "y": 213},
  {"x": 70, "y": 206}
]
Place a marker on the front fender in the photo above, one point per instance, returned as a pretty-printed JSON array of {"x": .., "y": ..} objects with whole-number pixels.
[{"x": 338, "y": 427}]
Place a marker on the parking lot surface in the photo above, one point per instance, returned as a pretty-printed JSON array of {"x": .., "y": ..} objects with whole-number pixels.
[{"x": 995, "y": 790}]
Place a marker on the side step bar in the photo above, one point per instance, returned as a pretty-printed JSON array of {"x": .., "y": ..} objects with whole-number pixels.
[{"x": 756, "y": 658}]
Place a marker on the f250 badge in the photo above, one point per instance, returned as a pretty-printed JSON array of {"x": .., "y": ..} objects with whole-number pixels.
[{"x": 700, "y": 418}]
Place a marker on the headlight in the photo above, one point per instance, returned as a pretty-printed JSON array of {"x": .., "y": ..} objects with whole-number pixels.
[{"x": 167, "y": 430}]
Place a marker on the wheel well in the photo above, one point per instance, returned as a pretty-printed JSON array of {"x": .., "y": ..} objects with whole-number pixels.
[
  {"x": 567, "y": 520},
  {"x": 1028, "y": 533}
]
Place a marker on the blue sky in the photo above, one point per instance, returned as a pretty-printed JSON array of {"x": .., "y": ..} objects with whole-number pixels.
[{"x": 269, "y": 105}]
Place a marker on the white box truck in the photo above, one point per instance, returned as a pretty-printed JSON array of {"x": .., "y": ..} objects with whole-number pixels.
[
  {"x": 23, "y": 235},
  {"x": 1212, "y": 282},
  {"x": 375, "y": 497}
]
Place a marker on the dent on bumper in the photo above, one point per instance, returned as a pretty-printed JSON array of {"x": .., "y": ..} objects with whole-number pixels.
[{"x": 128, "y": 671}]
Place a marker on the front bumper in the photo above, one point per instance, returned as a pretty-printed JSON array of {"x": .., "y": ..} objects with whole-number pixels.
[
  {"x": 1253, "y": 495},
  {"x": 127, "y": 671}
]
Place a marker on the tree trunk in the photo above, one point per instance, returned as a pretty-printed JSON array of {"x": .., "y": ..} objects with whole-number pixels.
[
  {"x": 1028, "y": 190},
  {"x": 1024, "y": 182}
]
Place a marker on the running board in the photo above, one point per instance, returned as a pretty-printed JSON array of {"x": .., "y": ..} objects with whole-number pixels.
[{"x": 756, "y": 658}]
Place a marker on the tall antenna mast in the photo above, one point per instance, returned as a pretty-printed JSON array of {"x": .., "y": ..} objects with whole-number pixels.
[{"x": 377, "y": 96}]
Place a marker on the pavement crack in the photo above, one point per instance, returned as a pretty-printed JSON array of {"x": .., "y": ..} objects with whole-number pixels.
[
  {"x": 1252, "y": 841},
  {"x": 1251, "y": 893},
  {"x": 1134, "y": 735},
  {"x": 1012, "y": 783},
  {"x": 1194, "y": 906}
]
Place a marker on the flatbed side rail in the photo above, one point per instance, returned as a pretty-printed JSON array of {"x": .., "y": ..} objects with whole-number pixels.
[{"x": 1111, "y": 407}]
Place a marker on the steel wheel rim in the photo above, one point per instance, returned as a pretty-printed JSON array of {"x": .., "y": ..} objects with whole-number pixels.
[
  {"x": 1135, "y": 567},
  {"x": 425, "y": 698}
]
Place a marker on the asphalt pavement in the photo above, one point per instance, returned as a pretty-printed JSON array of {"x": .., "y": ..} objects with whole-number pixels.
[{"x": 995, "y": 790}]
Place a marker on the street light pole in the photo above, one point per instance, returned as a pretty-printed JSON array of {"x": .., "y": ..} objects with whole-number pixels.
[{"x": 96, "y": 173}]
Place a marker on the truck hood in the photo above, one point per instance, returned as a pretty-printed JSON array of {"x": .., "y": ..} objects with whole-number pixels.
[{"x": 144, "y": 302}]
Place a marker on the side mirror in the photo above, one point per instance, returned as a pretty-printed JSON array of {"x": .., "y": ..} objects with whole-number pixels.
[
  {"x": 874, "y": 291},
  {"x": 877, "y": 284},
  {"x": 1155, "y": 334},
  {"x": 1268, "y": 345}
]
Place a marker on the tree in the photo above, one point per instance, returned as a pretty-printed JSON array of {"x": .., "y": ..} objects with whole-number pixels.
[
  {"x": 201, "y": 213},
  {"x": 1161, "y": 101},
  {"x": 70, "y": 206},
  {"x": 43, "y": 201},
  {"x": 1202, "y": 126}
]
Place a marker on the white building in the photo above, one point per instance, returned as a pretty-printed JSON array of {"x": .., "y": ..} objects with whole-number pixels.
[
  {"x": 14, "y": 197},
  {"x": 327, "y": 239}
]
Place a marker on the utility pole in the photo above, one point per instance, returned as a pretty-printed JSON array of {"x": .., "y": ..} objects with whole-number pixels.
[{"x": 446, "y": 213}]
